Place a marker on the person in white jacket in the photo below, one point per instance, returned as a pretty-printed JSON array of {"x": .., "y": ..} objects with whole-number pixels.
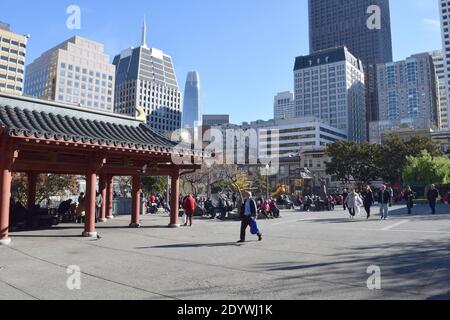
[{"x": 354, "y": 203}]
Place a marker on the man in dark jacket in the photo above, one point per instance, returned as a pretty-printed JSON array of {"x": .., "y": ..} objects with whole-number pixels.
[
  {"x": 384, "y": 199},
  {"x": 432, "y": 196},
  {"x": 248, "y": 212}
]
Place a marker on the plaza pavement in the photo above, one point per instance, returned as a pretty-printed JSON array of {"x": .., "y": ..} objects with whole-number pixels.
[{"x": 303, "y": 256}]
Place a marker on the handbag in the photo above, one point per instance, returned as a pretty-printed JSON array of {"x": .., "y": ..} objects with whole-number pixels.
[{"x": 253, "y": 227}]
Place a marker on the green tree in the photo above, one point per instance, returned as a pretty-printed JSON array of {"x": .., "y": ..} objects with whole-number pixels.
[
  {"x": 343, "y": 159},
  {"x": 47, "y": 185},
  {"x": 259, "y": 182},
  {"x": 154, "y": 184},
  {"x": 426, "y": 169}
]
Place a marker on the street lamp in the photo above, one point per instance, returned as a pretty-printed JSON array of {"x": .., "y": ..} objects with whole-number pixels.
[{"x": 267, "y": 181}]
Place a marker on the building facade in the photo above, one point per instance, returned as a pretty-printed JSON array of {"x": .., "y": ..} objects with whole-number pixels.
[
  {"x": 334, "y": 23},
  {"x": 12, "y": 60},
  {"x": 284, "y": 105},
  {"x": 329, "y": 85},
  {"x": 145, "y": 79},
  {"x": 444, "y": 10},
  {"x": 211, "y": 120},
  {"x": 407, "y": 94},
  {"x": 191, "y": 102},
  {"x": 439, "y": 66},
  {"x": 76, "y": 72}
]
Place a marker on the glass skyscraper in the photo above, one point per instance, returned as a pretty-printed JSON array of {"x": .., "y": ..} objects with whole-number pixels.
[
  {"x": 191, "y": 102},
  {"x": 145, "y": 78},
  {"x": 335, "y": 23}
]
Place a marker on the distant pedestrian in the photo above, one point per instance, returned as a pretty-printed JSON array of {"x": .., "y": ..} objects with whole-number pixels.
[
  {"x": 391, "y": 193},
  {"x": 189, "y": 208},
  {"x": 384, "y": 199},
  {"x": 433, "y": 195},
  {"x": 344, "y": 198},
  {"x": 248, "y": 214},
  {"x": 353, "y": 203},
  {"x": 98, "y": 206},
  {"x": 368, "y": 200},
  {"x": 409, "y": 198}
]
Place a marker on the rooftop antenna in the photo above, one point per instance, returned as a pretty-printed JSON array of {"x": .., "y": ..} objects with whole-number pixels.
[{"x": 144, "y": 32}]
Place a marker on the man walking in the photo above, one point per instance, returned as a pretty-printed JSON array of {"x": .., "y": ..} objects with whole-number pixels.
[
  {"x": 248, "y": 212},
  {"x": 384, "y": 199},
  {"x": 432, "y": 196}
]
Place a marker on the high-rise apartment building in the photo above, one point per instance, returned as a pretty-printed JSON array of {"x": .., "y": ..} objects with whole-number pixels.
[
  {"x": 75, "y": 72},
  {"x": 444, "y": 9},
  {"x": 191, "y": 101},
  {"x": 284, "y": 105},
  {"x": 12, "y": 60},
  {"x": 329, "y": 85},
  {"x": 407, "y": 95},
  {"x": 348, "y": 23},
  {"x": 439, "y": 66},
  {"x": 145, "y": 78}
]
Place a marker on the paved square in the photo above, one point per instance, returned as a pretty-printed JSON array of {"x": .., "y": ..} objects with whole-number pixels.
[{"x": 303, "y": 256}]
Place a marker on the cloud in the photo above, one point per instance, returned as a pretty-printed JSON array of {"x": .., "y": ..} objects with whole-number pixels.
[{"x": 432, "y": 24}]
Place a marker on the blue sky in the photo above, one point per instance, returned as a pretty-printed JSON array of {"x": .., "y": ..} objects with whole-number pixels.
[{"x": 243, "y": 49}]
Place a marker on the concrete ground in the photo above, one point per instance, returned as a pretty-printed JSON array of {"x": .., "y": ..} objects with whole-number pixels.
[{"x": 303, "y": 256}]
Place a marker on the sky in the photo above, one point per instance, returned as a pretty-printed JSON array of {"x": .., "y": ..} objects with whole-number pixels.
[{"x": 244, "y": 50}]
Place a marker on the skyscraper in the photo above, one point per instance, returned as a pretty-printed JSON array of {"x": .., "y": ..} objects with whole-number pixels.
[
  {"x": 329, "y": 85},
  {"x": 191, "y": 103},
  {"x": 444, "y": 9},
  {"x": 439, "y": 66},
  {"x": 12, "y": 60},
  {"x": 145, "y": 78},
  {"x": 408, "y": 96},
  {"x": 76, "y": 71},
  {"x": 284, "y": 105},
  {"x": 336, "y": 23}
]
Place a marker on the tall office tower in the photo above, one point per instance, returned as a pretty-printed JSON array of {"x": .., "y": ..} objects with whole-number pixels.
[
  {"x": 12, "y": 60},
  {"x": 284, "y": 106},
  {"x": 439, "y": 66},
  {"x": 145, "y": 78},
  {"x": 408, "y": 96},
  {"x": 336, "y": 23},
  {"x": 75, "y": 72},
  {"x": 191, "y": 102},
  {"x": 329, "y": 85},
  {"x": 444, "y": 9}
]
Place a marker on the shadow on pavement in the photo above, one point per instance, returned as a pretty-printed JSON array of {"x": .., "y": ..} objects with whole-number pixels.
[
  {"x": 420, "y": 268},
  {"x": 192, "y": 245}
]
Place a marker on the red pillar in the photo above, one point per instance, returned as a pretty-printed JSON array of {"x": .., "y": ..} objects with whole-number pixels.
[
  {"x": 174, "y": 199},
  {"x": 109, "y": 197},
  {"x": 32, "y": 181},
  {"x": 5, "y": 195},
  {"x": 102, "y": 190},
  {"x": 136, "y": 203},
  {"x": 91, "y": 182}
]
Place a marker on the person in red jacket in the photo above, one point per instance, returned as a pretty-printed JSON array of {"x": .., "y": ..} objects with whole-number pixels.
[{"x": 189, "y": 208}]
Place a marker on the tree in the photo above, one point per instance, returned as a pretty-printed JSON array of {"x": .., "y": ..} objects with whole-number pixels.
[
  {"x": 343, "y": 159},
  {"x": 395, "y": 152},
  {"x": 47, "y": 185},
  {"x": 154, "y": 184},
  {"x": 259, "y": 182},
  {"x": 426, "y": 169}
]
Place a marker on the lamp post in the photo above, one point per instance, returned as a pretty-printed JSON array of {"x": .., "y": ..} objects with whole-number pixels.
[{"x": 267, "y": 181}]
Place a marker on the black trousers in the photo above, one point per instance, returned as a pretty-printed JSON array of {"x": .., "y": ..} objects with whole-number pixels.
[
  {"x": 367, "y": 207},
  {"x": 244, "y": 225}
]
